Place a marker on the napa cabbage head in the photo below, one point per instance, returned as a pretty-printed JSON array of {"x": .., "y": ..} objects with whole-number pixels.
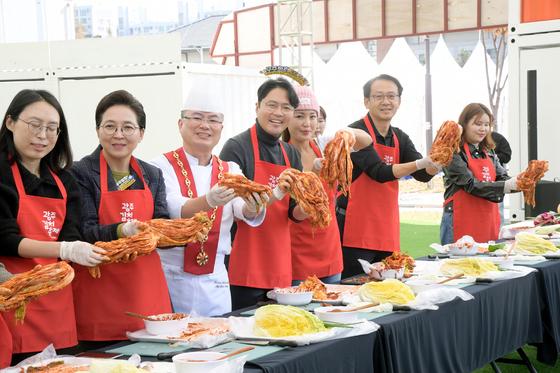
[
  {"x": 282, "y": 321},
  {"x": 387, "y": 291}
]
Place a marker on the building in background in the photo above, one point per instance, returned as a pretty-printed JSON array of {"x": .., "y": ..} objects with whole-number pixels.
[
  {"x": 36, "y": 20},
  {"x": 197, "y": 37}
]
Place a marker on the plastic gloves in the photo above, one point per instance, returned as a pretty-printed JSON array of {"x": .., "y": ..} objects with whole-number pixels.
[
  {"x": 82, "y": 253},
  {"x": 219, "y": 196},
  {"x": 254, "y": 204},
  {"x": 427, "y": 162},
  {"x": 510, "y": 185},
  {"x": 130, "y": 228}
]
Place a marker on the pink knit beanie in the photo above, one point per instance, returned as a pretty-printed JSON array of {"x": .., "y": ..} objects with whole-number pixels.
[{"x": 307, "y": 99}]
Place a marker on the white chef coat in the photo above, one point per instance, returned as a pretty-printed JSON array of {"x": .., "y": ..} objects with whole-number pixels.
[{"x": 204, "y": 295}]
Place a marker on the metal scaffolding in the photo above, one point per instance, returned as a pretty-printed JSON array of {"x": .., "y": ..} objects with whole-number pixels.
[{"x": 294, "y": 28}]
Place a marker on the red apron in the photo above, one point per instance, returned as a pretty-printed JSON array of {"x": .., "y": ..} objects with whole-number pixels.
[
  {"x": 211, "y": 245},
  {"x": 50, "y": 318},
  {"x": 5, "y": 345},
  {"x": 372, "y": 215},
  {"x": 472, "y": 215},
  {"x": 138, "y": 286},
  {"x": 261, "y": 256},
  {"x": 316, "y": 251}
]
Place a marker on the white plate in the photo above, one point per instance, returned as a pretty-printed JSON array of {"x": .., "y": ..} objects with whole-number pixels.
[
  {"x": 203, "y": 341},
  {"x": 341, "y": 289},
  {"x": 70, "y": 360}
]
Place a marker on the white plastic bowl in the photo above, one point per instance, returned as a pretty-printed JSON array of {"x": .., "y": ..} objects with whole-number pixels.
[
  {"x": 166, "y": 327},
  {"x": 293, "y": 298},
  {"x": 184, "y": 364},
  {"x": 342, "y": 317},
  {"x": 396, "y": 274}
]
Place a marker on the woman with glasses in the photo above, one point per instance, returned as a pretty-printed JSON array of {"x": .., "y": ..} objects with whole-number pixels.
[
  {"x": 475, "y": 181},
  {"x": 118, "y": 190},
  {"x": 39, "y": 216},
  {"x": 315, "y": 251}
]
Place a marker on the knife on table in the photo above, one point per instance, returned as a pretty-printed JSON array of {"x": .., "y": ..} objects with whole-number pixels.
[
  {"x": 169, "y": 355},
  {"x": 482, "y": 280}
]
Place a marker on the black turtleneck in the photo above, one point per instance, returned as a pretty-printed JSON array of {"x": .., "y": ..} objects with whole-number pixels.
[{"x": 239, "y": 149}]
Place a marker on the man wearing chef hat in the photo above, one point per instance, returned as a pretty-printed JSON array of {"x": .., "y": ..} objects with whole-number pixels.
[{"x": 196, "y": 274}]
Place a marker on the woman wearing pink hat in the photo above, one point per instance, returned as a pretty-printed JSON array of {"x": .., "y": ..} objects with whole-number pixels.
[{"x": 315, "y": 251}]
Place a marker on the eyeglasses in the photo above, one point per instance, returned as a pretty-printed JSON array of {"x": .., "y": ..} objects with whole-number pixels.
[
  {"x": 110, "y": 129},
  {"x": 272, "y": 106},
  {"x": 198, "y": 120},
  {"x": 381, "y": 97},
  {"x": 36, "y": 128}
]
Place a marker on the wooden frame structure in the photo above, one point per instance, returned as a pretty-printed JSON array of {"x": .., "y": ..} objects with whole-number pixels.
[{"x": 249, "y": 36}]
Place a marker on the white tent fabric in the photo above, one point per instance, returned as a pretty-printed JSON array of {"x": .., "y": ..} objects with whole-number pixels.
[
  {"x": 401, "y": 63},
  {"x": 447, "y": 84},
  {"x": 338, "y": 86},
  {"x": 475, "y": 75},
  {"x": 347, "y": 70}
]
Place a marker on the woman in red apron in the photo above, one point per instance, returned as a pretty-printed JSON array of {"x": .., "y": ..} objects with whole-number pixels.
[
  {"x": 117, "y": 190},
  {"x": 39, "y": 206},
  {"x": 5, "y": 335},
  {"x": 315, "y": 251},
  {"x": 475, "y": 182}
]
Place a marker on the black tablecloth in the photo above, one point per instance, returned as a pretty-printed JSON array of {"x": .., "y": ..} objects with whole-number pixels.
[
  {"x": 346, "y": 355},
  {"x": 549, "y": 284},
  {"x": 459, "y": 337},
  {"x": 462, "y": 336}
]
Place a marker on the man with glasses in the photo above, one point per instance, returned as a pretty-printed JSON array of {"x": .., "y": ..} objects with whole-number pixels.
[
  {"x": 261, "y": 257},
  {"x": 369, "y": 219},
  {"x": 196, "y": 274}
]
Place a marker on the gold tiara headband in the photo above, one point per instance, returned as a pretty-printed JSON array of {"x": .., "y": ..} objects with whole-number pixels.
[{"x": 287, "y": 71}]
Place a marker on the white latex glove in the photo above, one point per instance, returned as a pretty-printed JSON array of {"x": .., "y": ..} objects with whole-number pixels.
[
  {"x": 510, "y": 185},
  {"x": 285, "y": 181},
  {"x": 81, "y": 252},
  {"x": 278, "y": 193},
  {"x": 427, "y": 162},
  {"x": 255, "y": 204},
  {"x": 130, "y": 228},
  {"x": 219, "y": 196},
  {"x": 317, "y": 164}
]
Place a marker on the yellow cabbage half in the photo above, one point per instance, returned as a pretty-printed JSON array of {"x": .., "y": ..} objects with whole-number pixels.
[
  {"x": 276, "y": 320},
  {"x": 467, "y": 266},
  {"x": 387, "y": 291},
  {"x": 528, "y": 243}
]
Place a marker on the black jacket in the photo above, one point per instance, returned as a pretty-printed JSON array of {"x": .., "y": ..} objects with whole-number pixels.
[
  {"x": 86, "y": 172},
  {"x": 43, "y": 186}
]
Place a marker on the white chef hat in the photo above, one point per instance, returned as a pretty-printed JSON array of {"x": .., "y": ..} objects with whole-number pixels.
[{"x": 201, "y": 94}]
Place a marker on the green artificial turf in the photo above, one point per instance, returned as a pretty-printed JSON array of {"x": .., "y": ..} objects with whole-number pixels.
[{"x": 415, "y": 240}]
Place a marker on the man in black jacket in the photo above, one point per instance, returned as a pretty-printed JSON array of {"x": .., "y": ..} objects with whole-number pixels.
[{"x": 369, "y": 218}]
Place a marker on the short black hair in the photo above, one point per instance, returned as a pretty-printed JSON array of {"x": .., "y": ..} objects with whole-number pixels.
[
  {"x": 281, "y": 83},
  {"x": 323, "y": 112},
  {"x": 120, "y": 97},
  {"x": 60, "y": 157},
  {"x": 367, "y": 86}
]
